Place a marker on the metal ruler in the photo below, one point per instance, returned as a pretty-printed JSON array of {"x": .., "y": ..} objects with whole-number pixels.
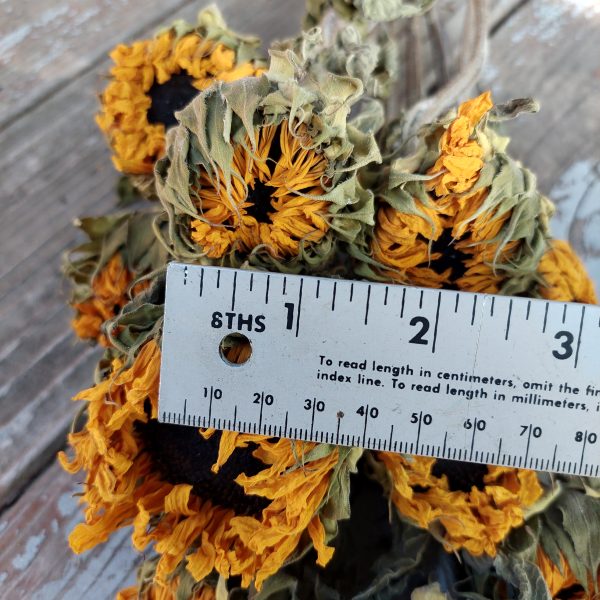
[{"x": 470, "y": 377}]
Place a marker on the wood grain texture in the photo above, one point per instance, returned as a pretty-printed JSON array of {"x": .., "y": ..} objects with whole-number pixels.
[
  {"x": 36, "y": 562},
  {"x": 55, "y": 168},
  {"x": 433, "y": 43},
  {"x": 549, "y": 50}
]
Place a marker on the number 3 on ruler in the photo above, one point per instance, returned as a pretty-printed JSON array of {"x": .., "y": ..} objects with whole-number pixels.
[{"x": 567, "y": 345}]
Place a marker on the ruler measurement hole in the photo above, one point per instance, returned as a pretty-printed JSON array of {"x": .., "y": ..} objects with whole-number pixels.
[{"x": 235, "y": 349}]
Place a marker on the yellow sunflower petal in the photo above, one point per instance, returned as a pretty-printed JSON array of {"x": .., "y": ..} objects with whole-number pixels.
[{"x": 565, "y": 277}]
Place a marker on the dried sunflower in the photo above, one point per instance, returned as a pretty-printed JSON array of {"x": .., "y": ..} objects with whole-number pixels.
[
  {"x": 105, "y": 271},
  {"x": 271, "y": 182},
  {"x": 110, "y": 291},
  {"x": 274, "y": 208},
  {"x": 459, "y": 213},
  {"x": 154, "y": 78},
  {"x": 465, "y": 505},
  {"x": 260, "y": 503}
]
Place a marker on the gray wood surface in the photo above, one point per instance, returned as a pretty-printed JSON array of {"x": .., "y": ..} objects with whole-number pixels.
[
  {"x": 35, "y": 560},
  {"x": 54, "y": 167},
  {"x": 45, "y": 43}
]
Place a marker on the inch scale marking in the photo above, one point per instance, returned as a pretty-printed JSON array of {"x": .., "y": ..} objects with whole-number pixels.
[{"x": 456, "y": 375}]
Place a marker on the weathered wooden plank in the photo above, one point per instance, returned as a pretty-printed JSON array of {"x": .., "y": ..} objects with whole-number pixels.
[
  {"x": 35, "y": 560},
  {"x": 577, "y": 195},
  {"x": 56, "y": 167},
  {"x": 549, "y": 50}
]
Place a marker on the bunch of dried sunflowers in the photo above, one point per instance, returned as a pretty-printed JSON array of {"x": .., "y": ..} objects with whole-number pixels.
[{"x": 299, "y": 163}]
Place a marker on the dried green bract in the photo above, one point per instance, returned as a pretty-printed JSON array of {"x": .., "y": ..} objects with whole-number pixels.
[
  {"x": 365, "y": 10},
  {"x": 371, "y": 58}
]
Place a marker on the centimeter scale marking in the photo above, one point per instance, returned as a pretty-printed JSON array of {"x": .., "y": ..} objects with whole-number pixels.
[{"x": 456, "y": 375}]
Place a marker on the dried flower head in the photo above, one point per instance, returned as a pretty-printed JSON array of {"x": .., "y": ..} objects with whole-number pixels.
[
  {"x": 270, "y": 203},
  {"x": 153, "y": 79},
  {"x": 259, "y": 503},
  {"x": 106, "y": 271},
  {"x": 111, "y": 289},
  {"x": 459, "y": 212},
  {"x": 466, "y": 506},
  {"x": 272, "y": 180}
]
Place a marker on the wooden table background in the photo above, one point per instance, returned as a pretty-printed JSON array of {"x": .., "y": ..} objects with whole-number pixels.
[{"x": 55, "y": 166}]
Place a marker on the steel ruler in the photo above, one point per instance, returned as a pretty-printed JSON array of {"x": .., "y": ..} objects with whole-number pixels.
[{"x": 471, "y": 377}]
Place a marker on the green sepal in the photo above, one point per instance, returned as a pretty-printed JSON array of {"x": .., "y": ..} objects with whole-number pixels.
[
  {"x": 129, "y": 233},
  {"x": 364, "y": 11},
  {"x": 139, "y": 321}
]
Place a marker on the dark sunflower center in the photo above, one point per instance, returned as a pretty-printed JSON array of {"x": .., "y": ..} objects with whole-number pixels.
[
  {"x": 451, "y": 257},
  {"x": 462, "y": 476},
  {"x": 574, "y": 591},
  {"x": 361, "y": 543},
  {"x": 169, "y": 97},
  {"x": 182, "y": 455},
  {"x": 260, "y": 198}
]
